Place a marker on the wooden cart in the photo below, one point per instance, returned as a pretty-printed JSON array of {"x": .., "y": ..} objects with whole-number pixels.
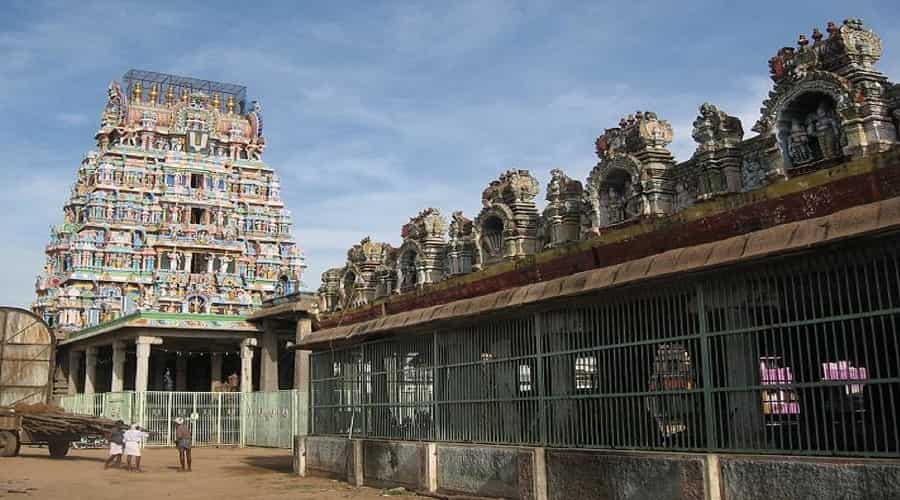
[{"x": 27, "y": 350}]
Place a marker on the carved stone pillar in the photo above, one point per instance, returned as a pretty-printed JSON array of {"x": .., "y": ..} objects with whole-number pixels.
[
  {"x": 247, "y": 346},
  {"x": 215, "y": 369},
  {"x": 118, "y": 367},
  {"x": 142, "y": 367},
  {"x": 90, "y": 369},
  {"x": 74, "y": 368},
  {"x": 301, "y": 358},
  {"x": 268, "y": 361}
]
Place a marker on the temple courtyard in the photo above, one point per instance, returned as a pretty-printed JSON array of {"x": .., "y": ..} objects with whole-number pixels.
[{"x": 218, "y": 473}]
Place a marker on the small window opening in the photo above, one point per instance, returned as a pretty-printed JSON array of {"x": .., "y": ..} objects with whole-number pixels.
[
  {"x": 199, "y": 263},
  {"x": 198, "y": 216}
]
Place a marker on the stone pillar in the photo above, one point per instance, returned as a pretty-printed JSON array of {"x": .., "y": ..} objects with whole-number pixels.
[
  {"x": 142, "y": 368},
  {"x": 299, "y": 464},
  {"x": 713, "y": 478},
  {"x": 355, "y": 471},
  {"x": 215, "y": 369},
  {"x": 90, "y": 369},
  {"x": 301, "y": 358},
  {"x": 539, "y": 473},
  {"x": 268, "y": 360},
  {"x": 247, "y": 346},
  {"x": 74, "y": 368},
  {"x": 118, "y": 367},
  {"x": 181, "y": 372},
  {"x": 430, "y": 481}
]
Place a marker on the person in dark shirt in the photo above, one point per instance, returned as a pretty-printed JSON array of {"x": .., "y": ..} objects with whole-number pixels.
[
  {"x": 183, "y": 442},
  {"x": 116, "y": 444}
]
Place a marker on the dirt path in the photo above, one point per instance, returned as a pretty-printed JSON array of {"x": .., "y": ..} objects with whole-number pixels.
[{"x": 219, "y": 474}]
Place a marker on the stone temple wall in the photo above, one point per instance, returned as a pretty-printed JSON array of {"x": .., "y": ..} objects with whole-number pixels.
[{"x": 528, "y": 473}]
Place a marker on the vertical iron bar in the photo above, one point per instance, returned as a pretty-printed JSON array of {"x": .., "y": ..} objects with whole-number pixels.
[
  {"x": 539, "y": 382},
  {"x": 711, "y": 441},
  {"x": 436, "y": 431}
]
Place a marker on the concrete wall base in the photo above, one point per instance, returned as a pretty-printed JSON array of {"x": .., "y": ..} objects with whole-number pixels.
[{"x": 556, "y": 474}]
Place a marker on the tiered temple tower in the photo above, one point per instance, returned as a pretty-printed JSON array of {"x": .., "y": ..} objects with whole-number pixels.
[{"x": 175, "y": 211}]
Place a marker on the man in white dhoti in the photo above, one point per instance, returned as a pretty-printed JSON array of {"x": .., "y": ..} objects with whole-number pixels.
[
  {"x": 116, "y": 445},
  {"x": 133, "y": 438}
]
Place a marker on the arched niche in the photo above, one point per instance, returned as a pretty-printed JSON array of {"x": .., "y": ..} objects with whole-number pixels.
[
  {"x": 408, "y": 268},
  {"x": 283, "y": 286},
  {"x": 348, "y": 287},
  {"x": 809, "y": 131},
  {"x": 620, "y": 197},
  {"x": 196, "y": 304},
  {"x": 491, "y": 240}
]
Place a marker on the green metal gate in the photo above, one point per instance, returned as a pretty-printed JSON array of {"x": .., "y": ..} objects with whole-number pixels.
[
  {"x": 217, "y": 418},
  {"x": 271, "y": 419}
]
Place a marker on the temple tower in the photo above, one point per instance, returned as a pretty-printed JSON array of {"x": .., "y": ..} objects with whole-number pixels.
[{"x": 174, "y": 211}]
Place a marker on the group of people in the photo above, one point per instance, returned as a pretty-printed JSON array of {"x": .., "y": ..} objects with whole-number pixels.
[{"x": 127, "y": 440}]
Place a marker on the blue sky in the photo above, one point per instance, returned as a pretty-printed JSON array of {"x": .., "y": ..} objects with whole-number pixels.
[{"x": 375, "y": 111}]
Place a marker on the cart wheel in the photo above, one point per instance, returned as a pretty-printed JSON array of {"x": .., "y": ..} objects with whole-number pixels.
[
  {"x": 9, "y": 444},
  {"x": 58, "y": 448}
]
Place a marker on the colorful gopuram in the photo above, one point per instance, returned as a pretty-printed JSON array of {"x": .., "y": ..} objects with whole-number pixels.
[{"x": 173, "y": 212}]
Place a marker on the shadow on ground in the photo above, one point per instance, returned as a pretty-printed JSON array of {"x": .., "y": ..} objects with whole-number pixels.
[
  {"x": 275, "y": 463},
  {"x": 43, "y": 454}
]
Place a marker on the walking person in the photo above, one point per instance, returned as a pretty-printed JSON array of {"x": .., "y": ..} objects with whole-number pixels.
[
  {"x": 133, "y": 438},
  {"x": 116, "y": 445},
  {"x": 183, "y": 442}
]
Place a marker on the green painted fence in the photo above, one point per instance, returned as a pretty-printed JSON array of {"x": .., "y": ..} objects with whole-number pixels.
[
  {"x": 217, "y": 418},
  {"x": 270, "y": 419}
]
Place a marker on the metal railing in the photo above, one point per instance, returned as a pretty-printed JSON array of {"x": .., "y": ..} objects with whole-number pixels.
[
  {"x": 799, "y": 355},
  {"x": 267, "y": 419}
]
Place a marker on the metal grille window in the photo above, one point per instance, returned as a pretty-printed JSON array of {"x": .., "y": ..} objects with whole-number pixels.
[{"x": 799, "y": 355}]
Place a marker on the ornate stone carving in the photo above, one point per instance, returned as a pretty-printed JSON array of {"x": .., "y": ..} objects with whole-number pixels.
[
  {"x": 513, "y": 186},
  {"x": 754, "y": 174},
  {"x": 507, "y": 225},
  {"x": 330, "y": 289},
  {"x": 420, "y": 258},
  {"x": 564, "y": 211},
  {"x": 461, "y": 247},
  {"x": 632, "y": 178},
  {"x": 714, "y": 129},
  {"x": 638, "y": 132},
  {"x": 114, "y": 111},
  {"x": 718, "y": 136},
  {"x": 360, "y": 279},
  {"x": 828, "y": 101}
]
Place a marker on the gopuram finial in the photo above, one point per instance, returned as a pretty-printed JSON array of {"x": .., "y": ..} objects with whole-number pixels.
[
  {"x": 154, "y": 93},
  {"x": 217, "y": 102},
  {"x": 137, "y": 92},
  {"x": 170, "y": 95},
  {"x": 230, "y": 104}
]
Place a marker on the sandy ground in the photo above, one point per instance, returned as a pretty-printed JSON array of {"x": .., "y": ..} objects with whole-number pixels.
[{"x": 218, "y": 474}]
